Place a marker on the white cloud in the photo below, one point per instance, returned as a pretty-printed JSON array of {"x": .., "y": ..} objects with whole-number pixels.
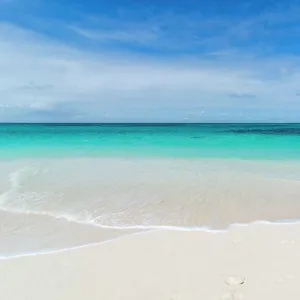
[{"x": 43, "y": 80}]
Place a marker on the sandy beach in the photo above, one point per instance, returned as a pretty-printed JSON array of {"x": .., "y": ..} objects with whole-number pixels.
[
  {"x": 149, "y": 150},
  {"x": 259, "y": 261},
  {"x": 132, "y": 229}
]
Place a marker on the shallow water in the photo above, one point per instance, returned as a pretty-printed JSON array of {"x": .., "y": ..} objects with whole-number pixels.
[{"x": 45, "y": 201}]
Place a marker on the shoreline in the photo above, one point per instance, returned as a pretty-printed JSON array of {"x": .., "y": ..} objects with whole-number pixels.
[
  {"x": 248, "y": 262},
  {"x": 140, "y": 230},
  {"x": 64, "y": 204}
]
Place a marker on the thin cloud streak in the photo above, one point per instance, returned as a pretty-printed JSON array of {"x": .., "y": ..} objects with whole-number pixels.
[{"x": 134, "y": 36}]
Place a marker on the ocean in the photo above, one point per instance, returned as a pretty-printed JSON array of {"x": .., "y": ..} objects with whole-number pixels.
[
  {"x": 245, "y": 141},
  {"x": 68, "y": 185}
]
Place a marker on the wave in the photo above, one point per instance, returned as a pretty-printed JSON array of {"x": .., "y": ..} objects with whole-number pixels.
[{"x": 93, "y": 222}]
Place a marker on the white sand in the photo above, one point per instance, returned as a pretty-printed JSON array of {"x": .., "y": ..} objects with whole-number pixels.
[{"x": 258, "y": 262}]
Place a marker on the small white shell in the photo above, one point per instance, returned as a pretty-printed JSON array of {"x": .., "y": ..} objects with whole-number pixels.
[{"x": 235, "y": 280}]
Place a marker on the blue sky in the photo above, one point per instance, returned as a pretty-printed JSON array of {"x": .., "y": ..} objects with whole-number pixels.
[{"x": 149, "y": 61}]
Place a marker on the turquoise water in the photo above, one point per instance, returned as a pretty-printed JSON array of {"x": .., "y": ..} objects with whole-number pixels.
[{"x": 246, "y": 141}]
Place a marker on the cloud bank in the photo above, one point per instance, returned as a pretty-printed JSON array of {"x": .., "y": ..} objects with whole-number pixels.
[{"x": 44, "y": 80}]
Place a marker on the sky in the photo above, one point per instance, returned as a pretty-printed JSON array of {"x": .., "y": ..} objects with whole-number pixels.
[{"x": 149, "y": 61}]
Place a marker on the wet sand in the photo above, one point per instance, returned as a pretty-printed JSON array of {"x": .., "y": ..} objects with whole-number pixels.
[
  {"x": 258, "y": 261},
  {"x": 35, "y": 233}
]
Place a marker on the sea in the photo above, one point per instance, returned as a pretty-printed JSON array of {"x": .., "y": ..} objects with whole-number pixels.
[{"x": 70, "y": 185}]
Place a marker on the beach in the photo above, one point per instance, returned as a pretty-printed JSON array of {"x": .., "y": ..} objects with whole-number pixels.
[
  {"x": 149, "y": 150},
  {"x": 258, "y": 261},
  {"x": 149, "y": 212}
]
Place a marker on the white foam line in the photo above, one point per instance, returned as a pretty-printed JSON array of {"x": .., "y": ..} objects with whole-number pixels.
[
  {"x": 143, "y": 228},
  {"x": 154, "y": 227}
]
